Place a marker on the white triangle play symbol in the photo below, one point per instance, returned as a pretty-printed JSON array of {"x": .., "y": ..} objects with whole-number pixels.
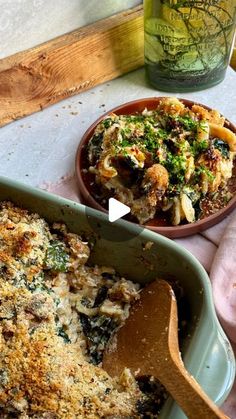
[{"x": 116, "y": 209}]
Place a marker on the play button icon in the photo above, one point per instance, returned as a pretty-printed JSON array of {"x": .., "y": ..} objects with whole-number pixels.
[
  {"x": 116, "y": 210},
  {"x": 103, "y": 227}
]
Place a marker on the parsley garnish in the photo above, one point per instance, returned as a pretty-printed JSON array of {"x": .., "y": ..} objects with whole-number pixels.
[
  {"x": 198, "y": 146},
  {"x": 203, "y": 169},
  {"x": 176, "y": 166}
]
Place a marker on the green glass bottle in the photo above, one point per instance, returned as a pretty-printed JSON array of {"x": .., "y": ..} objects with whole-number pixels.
[{"x": 188, "y": 43}]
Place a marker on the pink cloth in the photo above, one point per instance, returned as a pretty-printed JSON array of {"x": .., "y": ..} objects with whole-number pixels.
[{"x": 215, "y": 248}]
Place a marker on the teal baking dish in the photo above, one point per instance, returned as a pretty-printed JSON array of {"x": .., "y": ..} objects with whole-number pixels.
[{"x": 206, "y": 350}]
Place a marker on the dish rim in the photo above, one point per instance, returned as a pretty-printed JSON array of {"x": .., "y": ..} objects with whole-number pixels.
[
  {"x": 168, "y": 231},
  {"x": 16, "y": 191}
]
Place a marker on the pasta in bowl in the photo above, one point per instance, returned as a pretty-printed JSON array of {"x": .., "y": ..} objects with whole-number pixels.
[{"x": 170, "y": 160}]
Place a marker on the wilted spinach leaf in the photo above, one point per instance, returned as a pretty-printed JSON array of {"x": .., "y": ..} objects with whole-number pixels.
[
  {"x": 222, "y": 146},
  {"x": 97, "y": 330},
  {"x": 56, "y": 257}
]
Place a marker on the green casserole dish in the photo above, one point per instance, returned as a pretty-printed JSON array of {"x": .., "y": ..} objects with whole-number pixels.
[{"x": 206, "y": 350}]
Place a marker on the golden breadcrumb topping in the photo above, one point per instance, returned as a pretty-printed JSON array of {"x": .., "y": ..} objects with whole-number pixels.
[{"x": 56, "y": 316}]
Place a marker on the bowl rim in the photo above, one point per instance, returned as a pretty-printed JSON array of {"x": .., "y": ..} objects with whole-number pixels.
[{"x": 169, "y": 231}]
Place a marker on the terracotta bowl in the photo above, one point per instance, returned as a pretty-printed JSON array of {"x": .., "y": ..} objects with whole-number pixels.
[{"x": 85, "y": 193}]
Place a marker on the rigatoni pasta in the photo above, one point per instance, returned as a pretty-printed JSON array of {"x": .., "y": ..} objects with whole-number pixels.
[{"x": 169, "y": 161}]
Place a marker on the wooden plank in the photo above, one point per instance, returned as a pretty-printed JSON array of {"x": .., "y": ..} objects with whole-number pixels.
[{"x": 69, "y": 64}]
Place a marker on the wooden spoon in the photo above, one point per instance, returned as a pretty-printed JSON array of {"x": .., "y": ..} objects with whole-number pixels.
[{"x": 147, "y": 344}]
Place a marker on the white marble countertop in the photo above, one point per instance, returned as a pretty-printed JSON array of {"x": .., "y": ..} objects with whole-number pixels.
[
  {"x": 27, "y": 23},
  {"x": 41, "y": 148}
]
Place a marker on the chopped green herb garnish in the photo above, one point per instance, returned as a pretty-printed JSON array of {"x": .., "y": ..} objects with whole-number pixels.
[
  {"x": 134, "y": 118},
  {"x": 203, "y": 169},
  {"x": 176, "y": 166},
  {"x": 126, "y": 142},
  {"x": 188, "y": 123},
  {"x": 198, "y": 147}
]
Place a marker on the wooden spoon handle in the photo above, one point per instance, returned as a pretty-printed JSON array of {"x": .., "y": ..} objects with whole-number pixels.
[{"x": 187, "y": 392}]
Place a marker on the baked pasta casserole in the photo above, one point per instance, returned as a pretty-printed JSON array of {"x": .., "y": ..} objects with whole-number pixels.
[
  {"x": 174, "y": 161},
  {"x": 57, "y": 314}
]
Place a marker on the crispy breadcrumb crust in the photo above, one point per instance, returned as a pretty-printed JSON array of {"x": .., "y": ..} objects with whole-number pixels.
[{"x": 44, "y": 373}]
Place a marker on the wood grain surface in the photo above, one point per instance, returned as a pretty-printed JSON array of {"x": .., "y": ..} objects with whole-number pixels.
[
  {"x": 69, "y": 64},
  {"x": 36, "y": 78}
]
